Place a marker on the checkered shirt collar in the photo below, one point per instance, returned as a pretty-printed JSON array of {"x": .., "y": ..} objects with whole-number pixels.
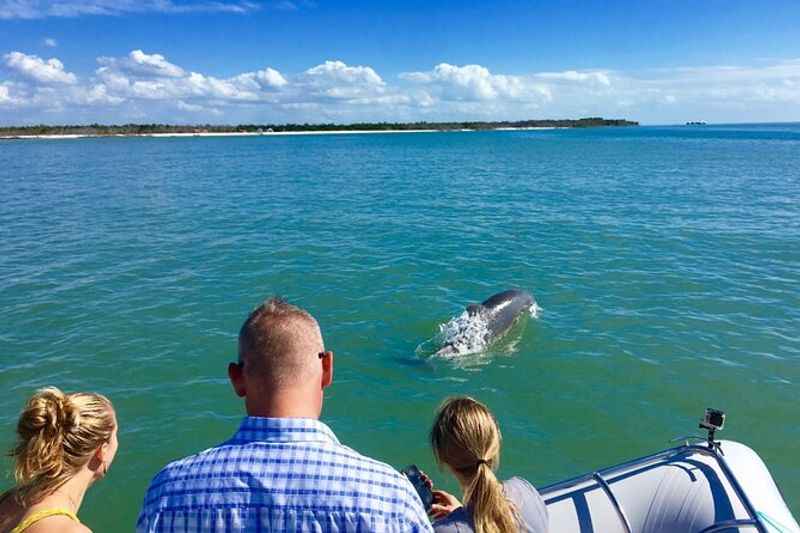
[{"x": 260, "y": 429}]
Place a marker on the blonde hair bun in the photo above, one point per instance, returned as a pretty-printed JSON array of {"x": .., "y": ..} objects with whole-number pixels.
[
  {"x": 57, "y": 434},
  {"x": 49, "y": 411}
]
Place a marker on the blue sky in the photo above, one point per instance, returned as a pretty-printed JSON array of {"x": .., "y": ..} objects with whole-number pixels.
[{"x": 230, "y": 61}]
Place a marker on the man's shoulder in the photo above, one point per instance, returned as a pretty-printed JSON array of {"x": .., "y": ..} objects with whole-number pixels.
[
  {"x": 190, "y": 466},
  {"x": 193, "y": 460},
  {"x": 320, "y": 477},
  {"x": 349, "y": 454},
  {"x": 222, "y": 460},
  {"x": 370, "y": 466}
]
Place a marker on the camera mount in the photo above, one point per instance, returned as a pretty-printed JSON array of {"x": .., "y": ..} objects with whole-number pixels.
[{"x": 713, "y": 421}]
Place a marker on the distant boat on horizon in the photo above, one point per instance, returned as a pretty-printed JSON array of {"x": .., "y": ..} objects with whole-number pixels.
[{"x": 698, "y": 123}]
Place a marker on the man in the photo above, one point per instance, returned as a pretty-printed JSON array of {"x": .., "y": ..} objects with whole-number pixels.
[{"x": 283, "y": 470}]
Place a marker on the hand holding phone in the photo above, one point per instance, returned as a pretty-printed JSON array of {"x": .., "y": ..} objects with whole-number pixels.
[
  {"x": 423, "y": 487},
  {"x": 444, "y": 503}
]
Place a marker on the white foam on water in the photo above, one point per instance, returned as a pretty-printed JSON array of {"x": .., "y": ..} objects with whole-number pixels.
[{"x": 466, "y": 334}]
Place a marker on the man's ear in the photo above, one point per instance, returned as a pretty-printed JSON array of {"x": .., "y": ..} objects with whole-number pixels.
[
  {"x": 327, "y": 369},
  {"x": 236, "y": 375}
]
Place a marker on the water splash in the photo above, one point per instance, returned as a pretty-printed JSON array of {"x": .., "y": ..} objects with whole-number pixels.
[{"x": 465, "y": 334}]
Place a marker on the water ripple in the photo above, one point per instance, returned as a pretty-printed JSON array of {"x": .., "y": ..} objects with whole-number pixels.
[{"x": 667, "y": 260}]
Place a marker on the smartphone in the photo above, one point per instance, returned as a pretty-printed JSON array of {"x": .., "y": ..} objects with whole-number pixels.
[{"x": 415, "y": 477}]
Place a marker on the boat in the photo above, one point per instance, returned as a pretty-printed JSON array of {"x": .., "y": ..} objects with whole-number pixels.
[{"x": 699, "y": 487}]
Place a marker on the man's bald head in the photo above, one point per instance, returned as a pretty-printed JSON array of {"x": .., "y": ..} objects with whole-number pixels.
[{"x": 280, "y": 344}]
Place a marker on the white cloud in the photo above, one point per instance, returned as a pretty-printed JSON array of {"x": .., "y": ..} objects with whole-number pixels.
[
  {"x": 337, "y": 83},
  {"x": 720, "y": 86},
  {"x": 337, "y": 71},
  {"x": 36, "y": 9},
  {"x": 266, "y": 79},
  {"x": 50, "y": 42},
  {"x": 287, "y": 5},
  {"x": 211, "y": 87},
  {"x": 95, "y": 95},
  {"x": 714, "y": 93},
  {"x": 477, "y": 83},
  {"x": 142, "y": 64},
  {"x": 5, "y": 95},
  {"x": 56, "y": 98},
  {"x": 146, "y": 86},
  {"x": 596, "y": 77},
  {"x": 386, "y": 100},
  {"x": 196, "y": 108},
  {"x": 153, "y": 77},
  {"x": 155, "y": 64},
  {"x": 35, "y": 68},
  {"x": 301, "y": 106}
]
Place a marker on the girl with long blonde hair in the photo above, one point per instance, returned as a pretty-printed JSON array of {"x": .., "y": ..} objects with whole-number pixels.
[
  {"x": 466, "y": 439},
  {"x": 65, "y": 442}
]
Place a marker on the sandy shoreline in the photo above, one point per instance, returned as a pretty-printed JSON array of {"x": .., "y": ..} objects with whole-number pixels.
[
  {"x": 253, "y": 134},
  {"x": 213, "y": 134}
]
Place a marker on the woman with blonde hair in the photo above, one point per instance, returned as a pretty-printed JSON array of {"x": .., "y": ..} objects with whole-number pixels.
[
  {"x": 65, "y": 442},
  {"x": 466, "y": 439}
]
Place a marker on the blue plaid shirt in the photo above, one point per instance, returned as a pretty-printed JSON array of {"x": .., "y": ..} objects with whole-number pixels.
[{"x": 281, "y": 474}]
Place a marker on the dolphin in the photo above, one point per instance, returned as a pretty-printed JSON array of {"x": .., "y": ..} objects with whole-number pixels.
[{"x": 499, "y": 312}]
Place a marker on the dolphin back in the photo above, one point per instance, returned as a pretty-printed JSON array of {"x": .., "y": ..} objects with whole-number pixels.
[
  {"x": 503, "y": 308},
  {"x": 484, "y": 322}
]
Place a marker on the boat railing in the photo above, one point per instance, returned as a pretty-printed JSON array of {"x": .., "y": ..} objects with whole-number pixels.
[
  {"x": 614, "y": 502},
  {"x": 728, "y": 524}
]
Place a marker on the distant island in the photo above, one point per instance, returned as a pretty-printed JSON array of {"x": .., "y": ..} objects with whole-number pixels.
[
  {"x": 256, "y": 129},
  {"x": 696, "y": 123}
]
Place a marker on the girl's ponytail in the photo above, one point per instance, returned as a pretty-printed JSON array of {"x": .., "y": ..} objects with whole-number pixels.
[{"x": 466, "y": 437}]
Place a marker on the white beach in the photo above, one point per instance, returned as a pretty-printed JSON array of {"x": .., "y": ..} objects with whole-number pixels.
[
  {"x": 216, "y": 134},
  {"x": 258, "y": 134}
]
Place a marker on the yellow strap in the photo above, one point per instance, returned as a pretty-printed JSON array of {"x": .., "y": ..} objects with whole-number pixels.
[{"x": 41, "y": 515}]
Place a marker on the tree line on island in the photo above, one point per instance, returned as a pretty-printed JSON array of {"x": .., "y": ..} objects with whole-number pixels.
[{"x": 145, "y": 129}]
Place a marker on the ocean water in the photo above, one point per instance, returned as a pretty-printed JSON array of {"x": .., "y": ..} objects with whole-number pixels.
[{"x": 665, "y": 260}]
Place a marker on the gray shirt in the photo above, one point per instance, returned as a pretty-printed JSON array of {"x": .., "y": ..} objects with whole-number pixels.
[{"x": 530, "y": 506}]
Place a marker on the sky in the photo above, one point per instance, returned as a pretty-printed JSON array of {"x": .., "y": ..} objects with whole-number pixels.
[{"x": 318, "y": 61}]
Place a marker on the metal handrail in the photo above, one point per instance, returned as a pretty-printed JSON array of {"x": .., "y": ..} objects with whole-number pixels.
[
  {"x": 727, "y": 524},
  {"x": 751, "y": 510},
  {"x": 614, "y": 502},
  {"x": 609, "y": 469},
  {"x": 687, "y": 438}
]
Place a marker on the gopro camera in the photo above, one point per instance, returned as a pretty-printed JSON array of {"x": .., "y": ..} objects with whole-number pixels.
[
  {"x": 415, "y": 477},
  {"x": 714, "y": 419}
]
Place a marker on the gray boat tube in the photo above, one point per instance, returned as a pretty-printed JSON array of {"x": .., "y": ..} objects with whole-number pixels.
[{"x": 690, "y": 488}]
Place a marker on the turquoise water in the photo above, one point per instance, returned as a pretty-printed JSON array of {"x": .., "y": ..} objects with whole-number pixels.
[{"x": 666, "y": 262}]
